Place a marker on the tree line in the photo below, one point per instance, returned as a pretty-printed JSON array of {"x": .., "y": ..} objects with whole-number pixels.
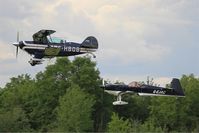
[{"x": 66, "y": 96}]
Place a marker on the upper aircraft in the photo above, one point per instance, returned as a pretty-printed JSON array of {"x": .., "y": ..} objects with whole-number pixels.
[{"x": 45, "y": 46}]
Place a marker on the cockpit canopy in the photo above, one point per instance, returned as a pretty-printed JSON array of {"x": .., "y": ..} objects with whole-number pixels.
[
  {"x": 134, "y": 84},
  {"x": 56, "y": 40},
  {"x": 43, "y": 37}
]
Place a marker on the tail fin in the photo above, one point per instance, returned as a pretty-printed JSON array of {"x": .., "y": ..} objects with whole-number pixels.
[
  {"x": 90, "y": 42},
  {"x": 175, "y": 84}
]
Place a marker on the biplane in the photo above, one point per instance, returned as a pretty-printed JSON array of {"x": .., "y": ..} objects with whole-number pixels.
[{"x": 44, "y": 46}]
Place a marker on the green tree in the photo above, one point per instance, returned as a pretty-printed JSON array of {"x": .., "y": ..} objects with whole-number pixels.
[
  {"x": 13, "y": 104},
  {"x": 54, "y": 82},
  {"x": 39, "y": 97},
  {"x": 74, "y": 112},
  {"x": 177, "y": 114},
  {"x": 137, "y": 108},
  {"x": 61, "y": 98},
  {"x": 149, "y": 126},
  {"x": 85, "y": 74},
  {"x": 191, "y": 102},
  {"x": 50, "y": 85},
  {"x": 14, "y": 120},
  {"x": 102, "y": 111},
  {"x": 16, "y": 92},
  {"x": 163, "y": 112},
  {"x": 118, "y": 124}
]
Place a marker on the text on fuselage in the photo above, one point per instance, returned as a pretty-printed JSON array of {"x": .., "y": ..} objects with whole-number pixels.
[
  {"x": 159, "y": 92},
  {"x": 71, "y": 49}
]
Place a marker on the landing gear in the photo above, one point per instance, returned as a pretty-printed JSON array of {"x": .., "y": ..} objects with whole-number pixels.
[
  {"x": 35, "y": 61},
  {"x": 94, "y": 56},
  {"x": 119, "y": 100}
]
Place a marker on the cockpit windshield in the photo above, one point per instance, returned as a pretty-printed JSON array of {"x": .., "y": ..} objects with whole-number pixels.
[{"x": 56, "y": 40}]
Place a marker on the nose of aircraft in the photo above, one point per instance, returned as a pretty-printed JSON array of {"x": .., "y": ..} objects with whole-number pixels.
[{"x": 16, "y": 43}]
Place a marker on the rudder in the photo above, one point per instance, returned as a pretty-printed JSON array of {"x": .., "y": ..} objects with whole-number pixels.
[
  {"x": 175, "y": 84},
  {"x": 90, "y": 42}
]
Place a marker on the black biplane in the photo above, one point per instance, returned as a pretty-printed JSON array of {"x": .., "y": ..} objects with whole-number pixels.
[
  {"x": 143, "y": 90},
  {"x": 45, "y": 46}
]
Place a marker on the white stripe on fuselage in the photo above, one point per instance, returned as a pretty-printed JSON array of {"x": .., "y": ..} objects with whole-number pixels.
[
  {"x": 140, "y": 94},
  {"x": 27, "y": 47},
  {"x": 151, "y": 94},
  {"x": 35, "y": 45}
]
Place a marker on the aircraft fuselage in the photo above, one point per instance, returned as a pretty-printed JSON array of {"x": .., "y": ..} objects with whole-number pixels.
[
  {"x": 53, "y": 49},
  {"x": 143, "y": 90}
]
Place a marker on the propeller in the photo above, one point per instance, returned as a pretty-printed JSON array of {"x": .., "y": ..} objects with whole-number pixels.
[
  {"x": 103, "y": 87},
  {"x": 103, "y": 84},
  {"x": 17, "y": 36},
  {"x": 17, "y": 45}
]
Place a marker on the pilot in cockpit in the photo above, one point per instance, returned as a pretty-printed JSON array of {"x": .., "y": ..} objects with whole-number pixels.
[{"x": 134, "y": 84}]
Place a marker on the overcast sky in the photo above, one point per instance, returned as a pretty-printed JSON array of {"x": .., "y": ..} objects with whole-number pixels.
[{"x": 137, "y": 38}]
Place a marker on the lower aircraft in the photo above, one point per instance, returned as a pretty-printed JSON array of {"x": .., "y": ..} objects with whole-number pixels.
[
  {"x": 143, "y": 90},
  {"x": 45, "y": 46}
]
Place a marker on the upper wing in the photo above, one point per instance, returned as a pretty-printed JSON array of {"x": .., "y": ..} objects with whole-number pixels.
[{"x": 41, "y": 36}]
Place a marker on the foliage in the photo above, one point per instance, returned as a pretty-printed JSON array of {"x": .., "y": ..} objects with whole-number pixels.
[
  {"x": 85, "y": 74},
  {"x": 178, "y": 114},
  {"x": 118, "y": 124},
  {"x": 13, "y": 105},
  {"x": 190, "y": 104},
  {"x": 149, "y": 126},
  {"x": 49, "y": 87},
  {"x": 137, "y": 108},
  {"x": 74, "y": 112},
  {"x": 14, "y": 120},
  {"x": 66, "y": 97}
]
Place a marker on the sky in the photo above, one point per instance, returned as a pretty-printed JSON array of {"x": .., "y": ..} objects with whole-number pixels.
[{"x": 156, "y": 38}]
